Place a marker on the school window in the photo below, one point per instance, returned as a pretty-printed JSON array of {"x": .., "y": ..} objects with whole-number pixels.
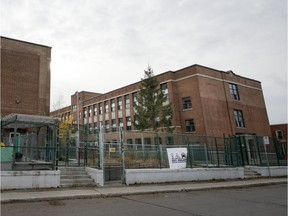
[
  {"x": 100, "y": 109},
  {"x": 119, "y": 103},
  {"x": 112, "y": 102},
  {"x": 170, "y": 140},
  {"x": 106, "y": 105},
  {"x": 128, "y": 123},
  {"x": 95, "y": 109},
  {"x": 279, "y": 134},
  {"x": 127, "y": 102},
  {"x": 158, "y": 140},
  {"x": 164, "y": 89},
  {"x": 187, "y": 103},
  {"x": 120, "y": 122},
  {"x": 85, "y": 113},
  {"x": 239, "y": 120},
  {"x": 107, "y": 126},
  {"x": 134, "y": 96},
  {"x": 113, "y": 125},
  {"x": 129, "y": 143},
  {"x": 74, "y": 108},
  {"x": 190, "y": 125},
  {"x": 89, "y": 111},
  {"x": 138, "y": 143},
  {"x": 234, "y": 91}
]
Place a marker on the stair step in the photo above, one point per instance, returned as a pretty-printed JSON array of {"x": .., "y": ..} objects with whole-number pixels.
[
  {"x": 66, "y": 185},
  {"x": 248, "y": 173},
  {"x": 76, "y": 181},
  {"x": 75, "y": 177}
]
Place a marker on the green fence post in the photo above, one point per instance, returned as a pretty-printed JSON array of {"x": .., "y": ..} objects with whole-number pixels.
[
  {"x": 57, "y": 148},
  {"x": 276, "y": 150},
  {"x": 122, "y": 155},
  {"x": 258, "y": 150},
  {"x": 67, "y": 147},
  {"x": 85, "y": 145},
  {"x": 159, "y": 150},
  {"x": 238, "y": 141},
  {"x": 190, "y": 155},
  {"x": 217, "y": 153}
]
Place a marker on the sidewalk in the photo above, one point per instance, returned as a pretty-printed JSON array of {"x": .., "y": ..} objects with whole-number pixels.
[{"x": 108, "y": 191}]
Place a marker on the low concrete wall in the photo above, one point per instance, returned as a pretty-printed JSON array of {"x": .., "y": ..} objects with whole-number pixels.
[
  {"x": 274, "y": 170},
  {"x": 30, "y": 179},
  {"x": 96, "y": 174},
  {"x": 140, "y": 176}
]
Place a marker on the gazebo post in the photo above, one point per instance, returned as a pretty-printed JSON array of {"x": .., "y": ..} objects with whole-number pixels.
[{"x": 14, "y": 148}]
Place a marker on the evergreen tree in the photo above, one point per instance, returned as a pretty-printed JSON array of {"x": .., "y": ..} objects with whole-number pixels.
[{"x": 151, "y": 109}]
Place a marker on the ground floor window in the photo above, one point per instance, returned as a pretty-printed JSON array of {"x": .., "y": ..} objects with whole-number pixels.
[{"x": 190, "y": 125}]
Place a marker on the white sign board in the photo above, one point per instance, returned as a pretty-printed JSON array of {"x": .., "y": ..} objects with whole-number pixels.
[
  {"x": 177, "y": 157},
  {"x": 266, "y": 140}
]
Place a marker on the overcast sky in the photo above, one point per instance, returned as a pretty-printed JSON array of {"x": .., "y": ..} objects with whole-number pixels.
[{"x": 101, "y": 45}]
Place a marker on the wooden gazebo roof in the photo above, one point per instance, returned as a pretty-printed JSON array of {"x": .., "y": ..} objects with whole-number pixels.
[{"x": 27, "y": 121}]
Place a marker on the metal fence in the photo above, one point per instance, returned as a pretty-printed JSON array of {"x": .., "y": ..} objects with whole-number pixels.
[{"x": 129, "y": 149}]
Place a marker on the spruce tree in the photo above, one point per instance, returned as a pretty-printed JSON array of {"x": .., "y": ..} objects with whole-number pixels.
[{"x": 150, "y": 111}]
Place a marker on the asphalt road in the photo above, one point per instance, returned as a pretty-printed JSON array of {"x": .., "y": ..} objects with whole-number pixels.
[{"x": 264, "y": 200}]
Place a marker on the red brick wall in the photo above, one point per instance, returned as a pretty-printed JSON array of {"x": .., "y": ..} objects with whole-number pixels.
[{"x": 25, "y": 78}]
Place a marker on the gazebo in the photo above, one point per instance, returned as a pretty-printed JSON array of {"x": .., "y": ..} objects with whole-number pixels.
[{"x": 30, "y": 142}]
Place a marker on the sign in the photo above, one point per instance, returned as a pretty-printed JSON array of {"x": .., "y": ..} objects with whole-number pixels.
[
  {"x": 177, "y": 157},
  {"x": 266, "y": 140},
  {"x": 112, "y": 149}
]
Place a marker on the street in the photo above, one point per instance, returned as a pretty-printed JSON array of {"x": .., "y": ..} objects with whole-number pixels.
[{"x": 262, "y": 200}]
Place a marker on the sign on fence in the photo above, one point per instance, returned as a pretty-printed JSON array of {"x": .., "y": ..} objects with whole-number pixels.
[
  {"x": 177, "y": 157},
  {"x": 266, "y": 140}
]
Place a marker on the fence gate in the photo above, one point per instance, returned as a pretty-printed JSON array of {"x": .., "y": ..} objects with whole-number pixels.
[
  {"x": 113, "y": 155},
  {"x": 242, "y": 150}
]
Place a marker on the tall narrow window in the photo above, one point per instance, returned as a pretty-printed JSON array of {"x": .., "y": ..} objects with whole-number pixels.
[
  {"x": 127, "y": 102},
  {"x": 234, "y": 91},
  {"x": 95, "y": 109},
  {"x": 113, "y": 125},
  {"x": 106, "y": 105},
  {"x": 112, "y": 104},
  {"x": 107, "y": 126},
  {"x": 100, "y": 109},
  {"x": 120, "y": 122},
  {"x": 187, "y": 103},
  {"x": 164, "y": 89},
  {"x": 190, "y": 126},
  {"x": 134, "y": 96},
  {"x": 89, "y": 111},
  {"x": 239, "y": 120},
  {"x": 128, "y": 123},
  {"x": 119, "y": 102},
  {"x": 85, "y": 112}
]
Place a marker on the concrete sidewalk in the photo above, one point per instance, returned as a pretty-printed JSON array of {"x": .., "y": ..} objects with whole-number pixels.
[{"x": 108, "y": 191}]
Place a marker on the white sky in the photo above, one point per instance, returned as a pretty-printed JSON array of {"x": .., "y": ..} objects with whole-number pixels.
[{"x": 101, "y": 45}]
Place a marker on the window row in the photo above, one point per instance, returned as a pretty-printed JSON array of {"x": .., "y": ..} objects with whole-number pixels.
[{"x": 106, "y": 107}]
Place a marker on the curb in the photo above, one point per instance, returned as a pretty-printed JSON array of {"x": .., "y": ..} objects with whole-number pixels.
[{"x": 100, "y": 193}]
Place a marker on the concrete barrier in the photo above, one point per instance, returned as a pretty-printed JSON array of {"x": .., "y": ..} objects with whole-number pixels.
[
  {"x": 30, "y": 179},
  {"x": 274, "y": 170},
  {"x": 143, "y": 176},
  {"x": 96, "y": 174}
]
